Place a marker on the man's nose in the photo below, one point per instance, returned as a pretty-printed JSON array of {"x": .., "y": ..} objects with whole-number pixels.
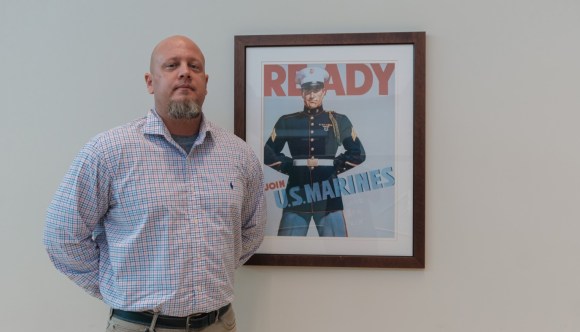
[{"x": 184, "y": 71}]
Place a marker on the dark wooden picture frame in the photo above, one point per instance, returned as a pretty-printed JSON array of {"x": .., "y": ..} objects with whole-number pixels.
[{"x": 416, "y": 40}]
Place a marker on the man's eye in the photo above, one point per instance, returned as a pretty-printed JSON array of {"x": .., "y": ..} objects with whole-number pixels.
[{"x": 311, "y": 90}]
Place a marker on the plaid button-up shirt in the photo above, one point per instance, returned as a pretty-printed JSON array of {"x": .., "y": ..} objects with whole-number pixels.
[{"x": 143, "y": 225}]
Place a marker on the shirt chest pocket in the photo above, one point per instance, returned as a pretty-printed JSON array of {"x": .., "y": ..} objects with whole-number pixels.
[{"x": 219, "y": 196}]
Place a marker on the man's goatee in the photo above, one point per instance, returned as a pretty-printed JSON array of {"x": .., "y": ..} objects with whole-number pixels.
[{"x": 184, "y": 109}]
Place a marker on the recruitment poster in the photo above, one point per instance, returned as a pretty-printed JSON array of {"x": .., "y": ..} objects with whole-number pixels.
[{"x": 367, "y": 97}]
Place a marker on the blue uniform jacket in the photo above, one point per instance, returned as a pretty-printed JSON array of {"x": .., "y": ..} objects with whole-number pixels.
[{"x": 313, "y": 134}]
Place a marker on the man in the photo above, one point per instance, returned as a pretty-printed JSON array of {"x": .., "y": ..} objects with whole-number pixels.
[
  {"x": 153, "y": 217},
  {"x": 313, "y": 137}
]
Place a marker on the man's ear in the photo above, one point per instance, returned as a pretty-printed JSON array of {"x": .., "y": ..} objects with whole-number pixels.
[{"x": 149, "y": 82}]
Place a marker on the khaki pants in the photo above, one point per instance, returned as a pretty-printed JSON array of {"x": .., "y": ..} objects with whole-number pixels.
[{"x": 225, "y": 323}]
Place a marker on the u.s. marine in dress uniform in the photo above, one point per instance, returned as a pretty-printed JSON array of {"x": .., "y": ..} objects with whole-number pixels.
[{"x": 314, "y": 136}]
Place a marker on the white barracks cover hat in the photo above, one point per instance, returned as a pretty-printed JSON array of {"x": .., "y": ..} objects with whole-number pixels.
[{"x": 312, "y": 76}]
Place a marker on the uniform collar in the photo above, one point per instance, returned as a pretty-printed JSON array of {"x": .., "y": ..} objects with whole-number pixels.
[{"x": 313, "y": 111}]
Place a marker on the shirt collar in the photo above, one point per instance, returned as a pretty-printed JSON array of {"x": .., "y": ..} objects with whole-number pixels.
[{"x": 154, "y": 126}]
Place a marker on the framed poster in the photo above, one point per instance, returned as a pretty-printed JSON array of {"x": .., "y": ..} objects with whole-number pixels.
[{"x": 338, "y": 120}]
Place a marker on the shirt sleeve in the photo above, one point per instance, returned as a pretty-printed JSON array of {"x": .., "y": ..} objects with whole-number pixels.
[
  {"x": 76, "y": 210},
  {"x": 253, "y": 211}
]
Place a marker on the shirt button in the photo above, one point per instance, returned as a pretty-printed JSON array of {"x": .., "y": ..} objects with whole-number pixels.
[
  {"x": 311, "y": 118},
  {"x": 312, "y": 140},
  {"x": 311, "y": 149},
  {"x": 312, "y": 131}
]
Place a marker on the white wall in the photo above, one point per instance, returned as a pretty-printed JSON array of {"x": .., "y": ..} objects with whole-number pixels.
[{"x": 502, "y": 156}]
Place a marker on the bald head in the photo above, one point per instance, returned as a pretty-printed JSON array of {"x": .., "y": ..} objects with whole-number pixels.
[
  {"x": 170, "y": 43},
  {"x": 177, "y": 75}
]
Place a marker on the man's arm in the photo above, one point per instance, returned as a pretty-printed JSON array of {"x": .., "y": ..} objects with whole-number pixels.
[
  {"x": 77, "y": 207},
  {"x": 273, "y": 157},
  {"x": 253, "y": 211},
  {"x": 354, "y": 153}
]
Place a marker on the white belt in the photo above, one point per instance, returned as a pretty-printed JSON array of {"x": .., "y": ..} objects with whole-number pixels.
[{"x": 313, "y": 162}]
